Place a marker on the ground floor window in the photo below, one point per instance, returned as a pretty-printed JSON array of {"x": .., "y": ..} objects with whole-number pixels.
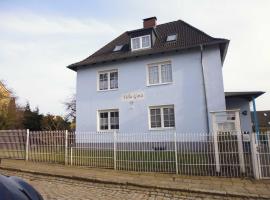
[
  {"x": 162, "y": 117},
  {"x": 109, "y": 120}
]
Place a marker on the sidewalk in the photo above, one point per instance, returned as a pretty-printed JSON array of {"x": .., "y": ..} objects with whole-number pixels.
[{"x": 230, "y": 187}]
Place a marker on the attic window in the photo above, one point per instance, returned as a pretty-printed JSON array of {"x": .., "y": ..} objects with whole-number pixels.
[
  {"x": 118, "y": 48},
  {"x": 142, "y": 42},
  {"x": 171, "y": 38}
]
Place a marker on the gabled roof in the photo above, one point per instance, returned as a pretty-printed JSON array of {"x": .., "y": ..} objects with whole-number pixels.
[
  {"x": 187, "y": 37},
  {"x": 247, "y": 95}
]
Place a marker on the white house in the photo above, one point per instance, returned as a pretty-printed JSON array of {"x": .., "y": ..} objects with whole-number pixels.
[{"x": 157, "y": 78}]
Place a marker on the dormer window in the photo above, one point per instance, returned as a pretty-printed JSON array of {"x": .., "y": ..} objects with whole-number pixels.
[
  {"x": 142, "y": 42},
  {"x": 171, "y": 38},
  {"x": 117, "y": 48}
]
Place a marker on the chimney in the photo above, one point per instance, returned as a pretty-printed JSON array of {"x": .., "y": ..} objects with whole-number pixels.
[{"x": 149, "y": 22}]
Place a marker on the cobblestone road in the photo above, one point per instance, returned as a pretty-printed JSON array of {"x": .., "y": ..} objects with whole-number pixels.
[{"x": 53, "y": 188}]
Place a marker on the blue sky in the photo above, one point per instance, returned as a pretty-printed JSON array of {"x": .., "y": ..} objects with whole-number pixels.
[{"x": 40, "y": 38}]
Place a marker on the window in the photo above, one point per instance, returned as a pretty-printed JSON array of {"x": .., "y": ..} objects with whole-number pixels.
[
  {"x": 166, "y": 73},
  {"x": 108, "y": 120},
  {"x": 118, "y": 47},
  {"x": 142, "y": 42},
  {"x": 108, "y": 80},
  {"x": 153, "y": 75},
  {"x": 162, "y": 117},
  {"x": 159, "y": 73},
  {"x": 136, "y": 43},
  {"x": 146, "y": 41},
  {"x": 171, "y": 38}
]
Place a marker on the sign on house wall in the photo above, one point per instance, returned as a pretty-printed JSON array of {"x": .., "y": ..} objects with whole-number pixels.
[{"x": 133, "y": 96}]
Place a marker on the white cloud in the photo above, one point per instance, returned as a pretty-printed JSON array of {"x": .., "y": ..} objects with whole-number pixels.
[
  {"x": 30, "y": 23},
  {"x": 35, "y": 51}
]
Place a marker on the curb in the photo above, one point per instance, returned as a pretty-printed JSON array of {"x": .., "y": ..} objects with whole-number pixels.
[{"x": 102, "y": 181}]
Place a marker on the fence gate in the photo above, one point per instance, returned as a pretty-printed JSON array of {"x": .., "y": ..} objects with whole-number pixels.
[
  {"x": 263, "y": 154},
  {"x": 228, "y": 142}
]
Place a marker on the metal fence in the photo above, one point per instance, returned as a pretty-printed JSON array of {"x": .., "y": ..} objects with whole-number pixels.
[
  {"x": 227, "y": 154},
  {"x": 263, "y": 155},
  {"x": 13, "y": 144}
]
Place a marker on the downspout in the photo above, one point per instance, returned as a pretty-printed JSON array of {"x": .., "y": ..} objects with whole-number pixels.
[
  {"x": 204, "y": 89},
  {"x": 255, "y": 119}
]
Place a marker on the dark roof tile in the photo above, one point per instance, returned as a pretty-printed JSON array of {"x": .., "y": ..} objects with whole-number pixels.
[{"x": 187, "y": 37}]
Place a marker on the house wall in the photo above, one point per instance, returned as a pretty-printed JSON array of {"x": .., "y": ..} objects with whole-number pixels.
[
  {"x": 186, "y": 92},
  {"x": 243, "y": 105},
  {"x": 213, "y": 81}
]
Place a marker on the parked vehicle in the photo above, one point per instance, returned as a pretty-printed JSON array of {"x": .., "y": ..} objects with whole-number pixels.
[{"x": 14, "y": 188}]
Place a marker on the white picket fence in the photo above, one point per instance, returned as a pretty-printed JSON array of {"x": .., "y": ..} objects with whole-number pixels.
[{"x": 227, "y": 154}]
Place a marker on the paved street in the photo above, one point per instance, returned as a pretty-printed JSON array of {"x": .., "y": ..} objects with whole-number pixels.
[
  {"x": 56, "y": 181},
  {"x": 53, "y": 188}
]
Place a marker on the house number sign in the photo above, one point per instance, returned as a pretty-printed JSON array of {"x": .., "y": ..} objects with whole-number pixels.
[{"x": 133, "y": 96}]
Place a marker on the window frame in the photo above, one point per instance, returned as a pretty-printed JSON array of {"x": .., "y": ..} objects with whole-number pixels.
[
  {"x": 108, "y": 72},
  {"x": 161, "y": 107},
  {"x": 117, "y": 48},
  {"x": 159, "y": 64},
  {"x": 140, "y": 39},
  {"x": 172, "y": 40},
  {"x": 109, "y": 111}
]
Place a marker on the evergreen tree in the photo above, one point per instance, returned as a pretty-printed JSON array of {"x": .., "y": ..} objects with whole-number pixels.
[{"x": 32, "y": 119}]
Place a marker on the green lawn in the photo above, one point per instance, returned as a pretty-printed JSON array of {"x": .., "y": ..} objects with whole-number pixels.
[{"x": 149, "y": 161}]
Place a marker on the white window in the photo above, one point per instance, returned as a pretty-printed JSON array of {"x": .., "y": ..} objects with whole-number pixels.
[
  {"x": 136, "y": 43},
  {"x": 146, "y": 41},
  {"x": 108, "y": 120},
  {"x": 142, "y": 42},
  {"x": 171, "y": 38},
  {"x": 161, "y": 117},
  {"x": 108, "y": 80},
  {"x": 153, "y": 75},
  {"x": 118, "y": 47},
  {"x": 159, "y": 73}
]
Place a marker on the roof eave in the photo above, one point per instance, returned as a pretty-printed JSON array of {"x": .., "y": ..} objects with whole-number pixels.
[
  {"x": 223, "y": 55},
  {"x": 249, "y": 95},
  {"x": 75, "y": 66}
]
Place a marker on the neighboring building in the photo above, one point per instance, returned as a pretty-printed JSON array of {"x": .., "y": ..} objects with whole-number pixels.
[
  {"x": 160, "y": 77},
  {"x": 263, "y": 120}
]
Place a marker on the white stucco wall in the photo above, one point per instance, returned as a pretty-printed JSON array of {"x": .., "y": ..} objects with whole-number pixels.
[
  {"x": 186, "y": 92},
  {"x": 243, "y": 105}
]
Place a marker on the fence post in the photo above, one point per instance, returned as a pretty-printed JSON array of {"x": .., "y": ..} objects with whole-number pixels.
[
  {"x": 175, "y": 150},
  {"x": 71, "y": 156},
  {"x": 27, "y": 145},
  {"x": 66, "y": 147},
  {"x": 114, "y": 149},
  {"x": 254, "y": 155},
  {"x": 215, "y": 132},
  {"x": 268, "y": 137},
  {"x": 240, "y": 142}
]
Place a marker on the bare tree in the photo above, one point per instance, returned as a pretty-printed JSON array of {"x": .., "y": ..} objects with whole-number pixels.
[{"x": 70, "y": 105}]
